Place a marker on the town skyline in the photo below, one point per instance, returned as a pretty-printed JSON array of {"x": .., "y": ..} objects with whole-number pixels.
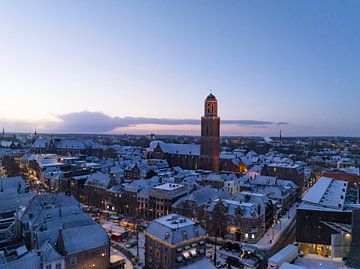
[{"x": 146, "y": 68}]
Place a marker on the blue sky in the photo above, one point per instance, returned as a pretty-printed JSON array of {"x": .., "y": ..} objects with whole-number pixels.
[{"x": 66, "y": 64}]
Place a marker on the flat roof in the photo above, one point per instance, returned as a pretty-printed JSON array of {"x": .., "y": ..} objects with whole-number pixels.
[
  {"x": 169, "y": 186},
  {"x": 175, "y": 221}
]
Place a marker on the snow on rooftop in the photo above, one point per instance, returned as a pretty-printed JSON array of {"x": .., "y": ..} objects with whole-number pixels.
[
  {"x": 175, "y": 229},
  {"x": 327, "y": 192},
  {"x": 75, "y": 241},
  {"x": 169, "y": 186},
  {"x": 185, "y": 149},
  {"x": 174, "y": 221}
]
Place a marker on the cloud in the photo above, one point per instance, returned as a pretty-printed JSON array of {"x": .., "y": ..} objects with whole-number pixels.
[
  {"x": 87, "y": 121},
  {"x": 98, "y": 122},
  {"x": 282, "y": 123}
]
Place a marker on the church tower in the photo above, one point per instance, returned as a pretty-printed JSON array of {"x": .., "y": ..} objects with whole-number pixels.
[{"x": 210, "y": 135}]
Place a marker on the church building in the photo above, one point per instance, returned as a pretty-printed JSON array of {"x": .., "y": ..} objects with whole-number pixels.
[{"x": 205, "y": 156}]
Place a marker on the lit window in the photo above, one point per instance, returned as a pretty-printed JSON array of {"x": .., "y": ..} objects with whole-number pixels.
[
  {"x": 253, "y": 236},
  {"x": 186, "y": 255},
  {"x": 246, "y": 235},
  {"x": 193, "y": 252}
]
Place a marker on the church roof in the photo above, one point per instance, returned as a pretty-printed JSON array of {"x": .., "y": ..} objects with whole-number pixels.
[
  {"x": 210, "y": 97},
  {"x": 185, "y": 149}
]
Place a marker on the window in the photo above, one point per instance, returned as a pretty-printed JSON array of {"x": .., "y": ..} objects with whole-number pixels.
[
  {"x": 73, "y": 261},
  {"x": 48, "y": 266},
  {"x": 103, "y": 252},
  {"x": 58, "y": 266}
]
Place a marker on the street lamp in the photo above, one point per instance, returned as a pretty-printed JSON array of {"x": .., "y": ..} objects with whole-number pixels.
[{"x": 357, "y": 185}]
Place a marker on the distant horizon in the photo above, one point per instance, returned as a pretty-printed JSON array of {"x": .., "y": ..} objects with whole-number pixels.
[
  {"x": 83, "y": 123},
  {"x": 185, "y": 135}
]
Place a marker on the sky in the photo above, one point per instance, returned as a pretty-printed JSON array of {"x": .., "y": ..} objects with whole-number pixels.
[{"x": 146, "y": 66}]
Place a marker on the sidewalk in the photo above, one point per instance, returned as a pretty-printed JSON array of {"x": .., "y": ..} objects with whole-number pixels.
[{"x": 275, "y": 233}]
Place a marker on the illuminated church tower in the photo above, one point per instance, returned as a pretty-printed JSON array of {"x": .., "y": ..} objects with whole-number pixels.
[{"x": 210, "y": 135}]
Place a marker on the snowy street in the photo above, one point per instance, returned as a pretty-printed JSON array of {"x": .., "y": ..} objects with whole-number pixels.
[
  {"x": 274, "y": 233},
  {"x": 116, "y": 252}
]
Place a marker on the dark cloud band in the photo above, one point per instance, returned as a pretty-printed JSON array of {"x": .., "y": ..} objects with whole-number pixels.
[{"x": 98, "y": 122}]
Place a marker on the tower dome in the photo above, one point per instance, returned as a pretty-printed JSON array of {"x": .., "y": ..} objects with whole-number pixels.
[{"x": 210, "y": 97}]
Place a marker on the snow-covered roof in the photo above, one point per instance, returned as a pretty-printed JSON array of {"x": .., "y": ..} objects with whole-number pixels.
[
  {"x": 175, "y": 229},
  {"x": 248, "y": 210},
  {"x": 264, "y": 180},
  {"x": 138, "y": 185},
  {"x": 14, "y": 193},
  {"x": 84, "y": 237},
  {"x": 204, "y": 195},
  {"x": 48, "y": 253},
  {"x": 327, "y": 192},
  {"x": 6, "y": 144},
  {"x": 169, "y": 186},
  {"x": 184, "y": 149},
  {"x": 41, "y": 143},
  {"x": 268, "y": 140},
  {"x": 251, "y": 197},
  {"x": 29, "y": 260},
  {"x": 70, "y": 144},
  {"x": 98, "y": 179}
]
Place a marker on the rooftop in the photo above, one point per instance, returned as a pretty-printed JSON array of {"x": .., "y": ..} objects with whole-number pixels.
[
  {"x": 169, "y": 186},
  {"x": 327, "y": 192},
  {"x": 185, "y": 149},
  {"x": 175, "y": 229}
]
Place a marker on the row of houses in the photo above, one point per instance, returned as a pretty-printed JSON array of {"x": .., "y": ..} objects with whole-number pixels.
[
  {"x": 49, "y": 231},
  {"x": 258, "y": 202}
]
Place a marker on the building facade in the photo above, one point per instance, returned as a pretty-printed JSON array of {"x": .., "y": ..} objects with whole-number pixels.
[{"x": 174, "y": 241}]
